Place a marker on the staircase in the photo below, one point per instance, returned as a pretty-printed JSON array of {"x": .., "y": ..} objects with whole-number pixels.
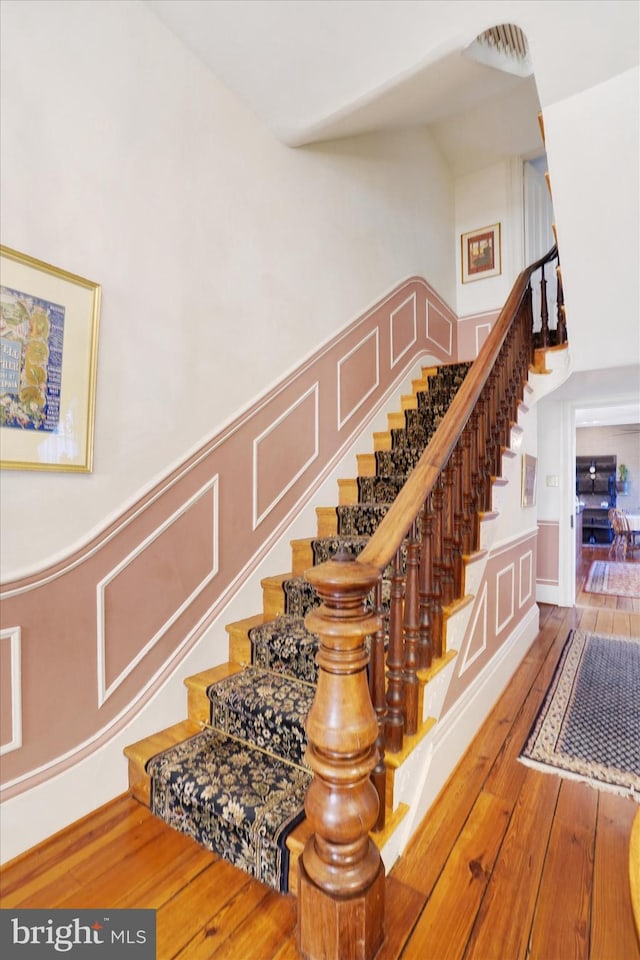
[
  {"x": 246, "y": 718},
  {"x": 337, "y": 684}
]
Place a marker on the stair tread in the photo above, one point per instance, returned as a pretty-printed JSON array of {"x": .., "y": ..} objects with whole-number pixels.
[
  {"x": 206, "y": 787},
  {"x": 204, "y": 679},
  {"x": 142, "y": 750},
  {"x": 265, "y": 708}
]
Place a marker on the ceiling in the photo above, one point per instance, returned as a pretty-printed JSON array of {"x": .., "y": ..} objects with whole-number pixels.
[{"x": 313, "y": 71}]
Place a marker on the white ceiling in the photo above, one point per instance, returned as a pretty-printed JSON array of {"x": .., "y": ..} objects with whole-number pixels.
[{"x": 316, "y": 70}]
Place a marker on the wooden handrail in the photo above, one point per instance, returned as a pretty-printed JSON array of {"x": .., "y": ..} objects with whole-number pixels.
[{"x": 395, "y": 525}]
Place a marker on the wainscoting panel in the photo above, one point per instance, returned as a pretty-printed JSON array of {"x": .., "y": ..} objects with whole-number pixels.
[
  {"x": 404, "y": 329},
  {"x": 283, "y": 452},
  {"x": 144, "y": 595},
  {"x": 496, "y": 614},
  {"x": 358, "y": 376},
  {"x": 11, "y": 690}
]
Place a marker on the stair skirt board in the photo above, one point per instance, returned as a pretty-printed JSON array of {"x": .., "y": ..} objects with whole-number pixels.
[{"x": 233, "y": 799}]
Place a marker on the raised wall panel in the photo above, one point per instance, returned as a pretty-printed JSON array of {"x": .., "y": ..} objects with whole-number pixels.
[
  {"x": 282, "y": 453},
  {"x": 10, "y": 690},
  {"x": 358, "y": 376},
  {"x": 525, "y": 583},
  {"x": 403, "y": 323},
  {"x": 505, "y": 601},
  {"x": 477, "y": 634},
  {"x": 548, "y": 554},
  {"x": 140, "y": 599},
  {"x": 439, "y": 329}
]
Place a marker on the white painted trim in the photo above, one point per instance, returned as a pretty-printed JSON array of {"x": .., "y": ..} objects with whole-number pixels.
[
  {"x": 14, "y": 636},
  {"x": 104, "y": 691},
  {"x": 394, "y": 360},
  {"x": 501, "y": 573},
  {"x": 429, "y": 308},
  {"x": 481, "y": 326},
  {"x": 481, "y": 610},
  {"x": 523, "y": 599},
  {"x": 342, "y": 420},
  {"x": 257, "y": 519}
]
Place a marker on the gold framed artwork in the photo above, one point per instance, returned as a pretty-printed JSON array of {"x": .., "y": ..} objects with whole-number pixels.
[
  {"x": 529, "y": 475},
  {"x": 48, "y": 359},
  {"x": 481, "y": 254}
]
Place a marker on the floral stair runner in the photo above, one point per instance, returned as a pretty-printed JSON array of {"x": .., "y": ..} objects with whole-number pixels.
[{"x": 238, "y": 786}]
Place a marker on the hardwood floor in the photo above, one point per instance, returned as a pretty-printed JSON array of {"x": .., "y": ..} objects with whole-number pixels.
[{"x": 509, "y": 863}]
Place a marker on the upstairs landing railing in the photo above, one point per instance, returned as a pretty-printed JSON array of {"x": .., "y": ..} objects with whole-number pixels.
[{"x": 361, "y": 714}]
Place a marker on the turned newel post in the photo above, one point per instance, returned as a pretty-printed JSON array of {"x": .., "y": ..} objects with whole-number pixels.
[{"x": 341, "y": 877}]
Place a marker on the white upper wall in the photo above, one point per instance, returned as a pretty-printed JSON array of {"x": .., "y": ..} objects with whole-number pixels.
[
  {"x": 594, "y": 159},
  {"x": 483, "y": 198},
  {"x": 349, "y": 56},
  {"x": 225, "y": 258}
]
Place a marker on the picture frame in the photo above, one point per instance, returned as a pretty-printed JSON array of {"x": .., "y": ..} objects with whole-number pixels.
[
  {"x": 529, "y": 478},
  {"x": 481, "y": 254},
  {"x": 48, "y": 351}
]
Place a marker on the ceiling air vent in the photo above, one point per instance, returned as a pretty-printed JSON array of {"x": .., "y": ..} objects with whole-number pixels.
[{"x": 503, "y": 47}]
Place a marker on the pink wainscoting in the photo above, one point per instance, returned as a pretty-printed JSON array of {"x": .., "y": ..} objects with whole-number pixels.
[
  {"x": 548, "y": 568},
  {"x": 504, "y": 597},
  {"x": 473, "y": 330},
  {"x": 86, "y": 642}
]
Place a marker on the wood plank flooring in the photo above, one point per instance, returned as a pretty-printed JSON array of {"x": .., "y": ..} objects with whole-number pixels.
[{"x": 509, "y": 863}]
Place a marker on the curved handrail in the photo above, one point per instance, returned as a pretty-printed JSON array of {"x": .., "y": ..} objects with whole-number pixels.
[{"x": 394, "y": 526}]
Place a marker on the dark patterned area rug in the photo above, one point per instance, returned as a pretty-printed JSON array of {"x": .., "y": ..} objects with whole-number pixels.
[
  {"x": 588, "y": 727},
  {"x": 614, "y": 579}
]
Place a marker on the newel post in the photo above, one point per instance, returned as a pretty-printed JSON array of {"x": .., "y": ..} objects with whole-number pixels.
[{"x": 341, "y": 876}]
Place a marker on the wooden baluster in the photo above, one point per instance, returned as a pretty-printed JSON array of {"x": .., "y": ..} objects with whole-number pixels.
[
  {"x": 394, "y": 726},
  {"x": 425, "y": 646},
  {"x": 437, "y": 498},
  {"x": 411, "y": 633},
  {"x": 468, "y": 498},
  {"x": 562, "y": 320},
  {"x": 490, "y": 443},
  {"x": 341, "y": 876},
  {"x": 379, "y": 701},
  {"x": 447, "y": 536},
  {"x": 458, "y": 519},
  {"x": 544, "y": 310},
  {"x": 477, "y": 475}
]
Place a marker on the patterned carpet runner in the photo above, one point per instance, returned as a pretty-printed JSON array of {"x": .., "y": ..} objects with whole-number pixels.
[
  {"x": 238, "y": 787},
  {"x": 588, "y": 727},
  {"x": 614, "y": 579},
  {"x": 265, "y": 708},
  {"x": 233, "y": 799}
]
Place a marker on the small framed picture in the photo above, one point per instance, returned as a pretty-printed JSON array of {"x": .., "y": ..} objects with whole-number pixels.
[
  {"x": 481, "y": 253},
  {"x": 529, "y": 471}
]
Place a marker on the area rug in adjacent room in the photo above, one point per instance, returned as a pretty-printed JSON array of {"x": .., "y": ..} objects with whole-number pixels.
[
  {"x": 588, "y": 727},
  {"x": 615, "y": 579}
]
